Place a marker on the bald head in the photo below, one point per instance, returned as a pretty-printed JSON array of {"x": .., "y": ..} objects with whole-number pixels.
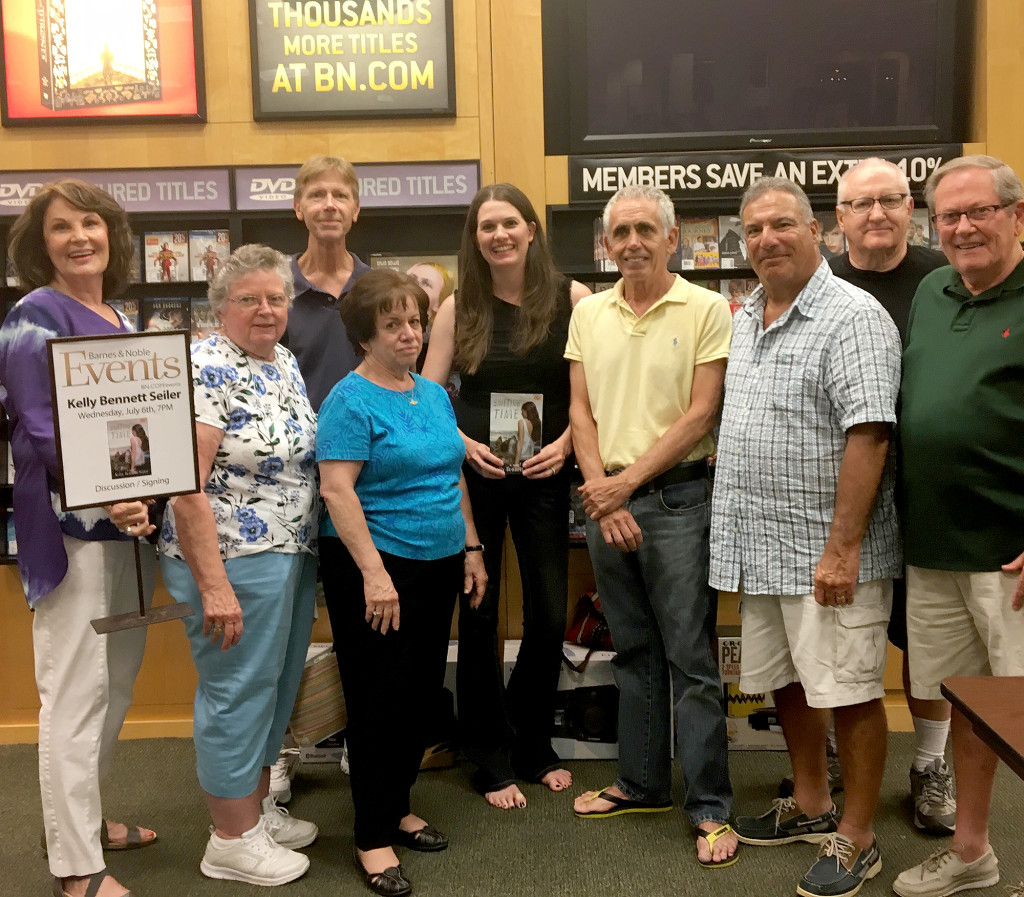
[{"x": 877, "y": 233}]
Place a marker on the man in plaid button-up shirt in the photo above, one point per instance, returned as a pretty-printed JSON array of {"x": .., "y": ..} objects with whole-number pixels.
[{"x": 804, "y": 526}]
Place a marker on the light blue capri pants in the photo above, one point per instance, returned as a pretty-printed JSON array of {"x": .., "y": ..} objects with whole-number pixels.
[{"x": 245, "y": 695}]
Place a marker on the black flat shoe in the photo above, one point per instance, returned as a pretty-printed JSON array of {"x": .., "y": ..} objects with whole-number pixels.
[
  {"x": 427, "y": 839},
  {"x": 389, "y": 883}
]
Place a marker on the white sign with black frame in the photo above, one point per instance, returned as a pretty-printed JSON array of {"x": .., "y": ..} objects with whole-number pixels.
[{"x": 123, "y": 416}]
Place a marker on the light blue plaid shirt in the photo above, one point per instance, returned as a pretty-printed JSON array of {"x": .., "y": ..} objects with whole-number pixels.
[{"x": 831, "y": 361}]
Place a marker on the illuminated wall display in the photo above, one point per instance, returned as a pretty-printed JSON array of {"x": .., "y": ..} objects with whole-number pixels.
[
  {"x": 114, "y": 60},
  {"x": 315, "y": 59}
]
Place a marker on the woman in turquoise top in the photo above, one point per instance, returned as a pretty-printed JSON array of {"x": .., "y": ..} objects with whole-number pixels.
[{"x": 399, "y": 544}]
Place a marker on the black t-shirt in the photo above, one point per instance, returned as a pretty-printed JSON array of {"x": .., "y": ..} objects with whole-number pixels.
[
  {"x": 894, "y": 289},
  {"x": 541, "y": 370}
]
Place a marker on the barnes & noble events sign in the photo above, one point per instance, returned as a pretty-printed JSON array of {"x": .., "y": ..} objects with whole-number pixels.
[
  {"x": 317, "y": 59},
  {"x": 123, "y": 412}
]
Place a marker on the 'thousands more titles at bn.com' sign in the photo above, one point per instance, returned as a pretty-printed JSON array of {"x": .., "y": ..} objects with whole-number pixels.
[{"x": 359, "y": 58}]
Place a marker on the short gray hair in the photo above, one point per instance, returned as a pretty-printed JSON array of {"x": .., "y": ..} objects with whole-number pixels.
[
  {"x": 875, "y": 162},
  {"x": 782, "y": 185},
  {"x": 245, "y": 260},
  {"x": 1007, "y": 184},
  {"x": 666, "y": 211}
]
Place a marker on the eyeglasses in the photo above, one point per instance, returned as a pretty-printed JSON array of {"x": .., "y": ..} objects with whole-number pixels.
[
  {"x": 864, "y": 204},
  {"x": 274, "y": 300},
  {"x": 978, "y": 213}
]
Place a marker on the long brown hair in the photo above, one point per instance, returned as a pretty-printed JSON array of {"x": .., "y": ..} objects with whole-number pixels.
[{"x": 474, "y": 316}]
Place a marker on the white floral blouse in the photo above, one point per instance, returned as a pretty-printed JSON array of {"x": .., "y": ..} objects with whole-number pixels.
[{"x": 263, "y": 486}]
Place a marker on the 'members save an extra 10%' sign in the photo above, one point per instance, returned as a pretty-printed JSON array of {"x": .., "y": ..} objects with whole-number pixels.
[
  {"x": 351, "y": 58},
  {"x": 123, "y": 412}
]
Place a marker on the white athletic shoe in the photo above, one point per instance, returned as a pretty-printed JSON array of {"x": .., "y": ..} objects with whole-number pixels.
[
  {"x": 282, "y": 773},
  {"x": 255, "y": 858},
  {"x": 284, "y": 828}
]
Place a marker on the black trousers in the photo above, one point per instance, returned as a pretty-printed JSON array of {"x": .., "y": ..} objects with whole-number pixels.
[
  {"x": 389, "y": 680},
  {"x": 507, "y": 731}
]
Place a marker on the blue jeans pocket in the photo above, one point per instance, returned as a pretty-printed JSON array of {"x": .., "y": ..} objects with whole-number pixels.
[
  {"x": 683, "y": 498},
  {"x": 860, "y": 642}
]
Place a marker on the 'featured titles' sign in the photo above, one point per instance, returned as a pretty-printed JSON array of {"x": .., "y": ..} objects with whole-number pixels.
[
  {"x": 123, "y": 412},
  {"x": 351, "y": 58}
]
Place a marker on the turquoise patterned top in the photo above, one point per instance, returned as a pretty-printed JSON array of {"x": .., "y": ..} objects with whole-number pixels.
[
  {"x": 412, "y": 457},
  {"x": 263, "y": 487}
]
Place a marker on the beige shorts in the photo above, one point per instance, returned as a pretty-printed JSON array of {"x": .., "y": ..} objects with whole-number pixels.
[
  {"x": 836, "y": 653},
  {"x": 961, "y": 624}
]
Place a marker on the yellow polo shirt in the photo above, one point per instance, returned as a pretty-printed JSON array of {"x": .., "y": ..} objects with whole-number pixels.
[{"x": 640, "y": 370}]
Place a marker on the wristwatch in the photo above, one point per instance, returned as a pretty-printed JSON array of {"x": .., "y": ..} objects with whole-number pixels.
[{"x": 474, "y": 548}]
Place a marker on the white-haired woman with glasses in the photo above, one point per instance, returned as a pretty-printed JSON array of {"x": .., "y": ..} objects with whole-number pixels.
[{"x": 240, "y": 553}]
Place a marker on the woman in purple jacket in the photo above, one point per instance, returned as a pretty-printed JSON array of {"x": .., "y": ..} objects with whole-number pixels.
[{"x": 72, "y": 246}]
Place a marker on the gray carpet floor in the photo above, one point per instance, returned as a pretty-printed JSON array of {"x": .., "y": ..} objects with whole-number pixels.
[{"x": 541, "y": 850}]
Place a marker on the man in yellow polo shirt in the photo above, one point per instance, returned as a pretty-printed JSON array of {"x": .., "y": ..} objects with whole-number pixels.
[{"x": 647, "y": 365}]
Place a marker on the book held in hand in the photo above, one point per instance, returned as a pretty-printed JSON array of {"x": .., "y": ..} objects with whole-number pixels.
[{"x": 516, "y": 423}]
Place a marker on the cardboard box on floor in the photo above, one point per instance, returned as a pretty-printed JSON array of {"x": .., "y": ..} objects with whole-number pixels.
[
  {"x": 586, "y": 705},
  {"x": 751, "y": 721}
]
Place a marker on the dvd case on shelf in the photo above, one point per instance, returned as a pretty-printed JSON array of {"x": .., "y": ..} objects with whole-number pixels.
[
  {"x": 204, "y": 321},
  {"x": 732, "y": 245},
  {"x": 207, "y": 252},
  {"x": 445, "y": 272},
  {"x": 129, "y": 308},
  {"x": 166, "y": 256},
  {"x": 165, "y": 314},
  {"x": 737, "y": 290},
  {"x": 698, "y": 240},
  {"x": 833, "y": 242}
]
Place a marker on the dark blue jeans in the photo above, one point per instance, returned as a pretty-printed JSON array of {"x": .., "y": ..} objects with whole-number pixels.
[
  {"x": 505, "y": 729},
  {"x": 662, "y": 613}
]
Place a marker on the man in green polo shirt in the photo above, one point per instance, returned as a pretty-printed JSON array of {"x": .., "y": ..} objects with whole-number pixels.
[{"x": 963, "y": 481}]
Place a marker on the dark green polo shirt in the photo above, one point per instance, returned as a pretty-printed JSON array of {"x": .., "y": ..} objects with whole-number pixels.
[{"x": 962, "y": 424}]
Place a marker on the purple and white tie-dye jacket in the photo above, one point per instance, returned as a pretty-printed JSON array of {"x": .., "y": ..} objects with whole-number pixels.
[{"x": 25, "y": 394}]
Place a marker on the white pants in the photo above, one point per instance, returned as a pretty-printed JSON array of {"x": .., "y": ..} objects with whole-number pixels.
[{"x": 85, "y": 684}]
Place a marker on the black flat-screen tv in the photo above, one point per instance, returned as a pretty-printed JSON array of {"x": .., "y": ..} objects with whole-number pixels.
[{"x": 650, "y": 75}]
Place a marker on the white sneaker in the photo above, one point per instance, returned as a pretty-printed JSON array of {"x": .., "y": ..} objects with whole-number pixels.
[
  {"x": 944, "y": 873},
  {"x": 254, "y": 858},
  {"x": 282, "y": 773},
  {"x": 284, "y": 828}
]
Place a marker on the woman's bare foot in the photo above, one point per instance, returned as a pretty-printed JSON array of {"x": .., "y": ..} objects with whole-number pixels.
[
  {"x": 117, "y": 834},
  {"x": 412, "y": 823},
  {"x": 378, "y": 859},
  {"x": 557, "y": 779},
  {"x": 507, "y": 798},
  {"x": 724, "y": 847},
  {"x": 589, "y": 802},
  {"x": 109, "y": 887}
]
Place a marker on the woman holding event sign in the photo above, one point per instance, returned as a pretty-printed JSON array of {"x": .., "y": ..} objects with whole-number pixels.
[
  {"x": 241, "y": 554},
  {"x": 73, "y": 248}
]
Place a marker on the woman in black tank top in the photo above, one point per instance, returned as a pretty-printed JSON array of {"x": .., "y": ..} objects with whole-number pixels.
[{"x": 505, "y": 332}]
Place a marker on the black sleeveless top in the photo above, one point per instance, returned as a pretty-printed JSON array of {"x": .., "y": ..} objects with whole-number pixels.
[{"x": 541, "y": 370}]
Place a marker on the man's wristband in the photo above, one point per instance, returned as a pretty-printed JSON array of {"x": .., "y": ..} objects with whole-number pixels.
[{"x": 474, "y": 548}]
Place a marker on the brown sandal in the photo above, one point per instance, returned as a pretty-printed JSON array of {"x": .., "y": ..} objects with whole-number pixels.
[
  {"x": 95, "y": 880},
  {"x": 133, "y": 841}
]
